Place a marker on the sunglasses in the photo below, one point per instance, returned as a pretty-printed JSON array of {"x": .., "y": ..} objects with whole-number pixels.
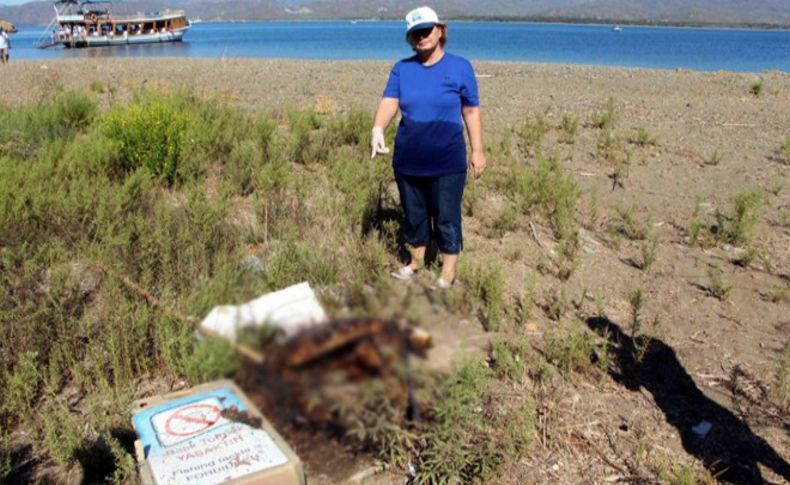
[{"x": 420, "y": 33}]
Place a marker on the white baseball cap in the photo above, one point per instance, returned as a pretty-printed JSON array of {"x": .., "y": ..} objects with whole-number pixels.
[{"x": 421, "y": 18}]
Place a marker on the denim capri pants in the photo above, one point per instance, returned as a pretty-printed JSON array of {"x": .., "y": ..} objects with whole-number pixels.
[{"x": 432, "y": 207}]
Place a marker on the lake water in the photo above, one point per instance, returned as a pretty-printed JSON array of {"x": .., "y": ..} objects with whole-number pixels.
[{"x": 652, "y": 47}]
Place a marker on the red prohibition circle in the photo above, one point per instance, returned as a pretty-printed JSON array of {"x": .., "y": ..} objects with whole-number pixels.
[{"x": 200, "y": 423}]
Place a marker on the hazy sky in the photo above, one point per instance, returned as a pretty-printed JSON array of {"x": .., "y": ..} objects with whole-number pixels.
[{"x": 13, "y": 2}]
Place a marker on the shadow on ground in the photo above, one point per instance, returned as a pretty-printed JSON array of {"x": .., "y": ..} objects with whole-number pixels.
[{"x": 731, "y": 451}]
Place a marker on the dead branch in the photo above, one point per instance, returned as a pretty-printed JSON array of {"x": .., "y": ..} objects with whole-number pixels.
[{"x": 250, "y": 354}]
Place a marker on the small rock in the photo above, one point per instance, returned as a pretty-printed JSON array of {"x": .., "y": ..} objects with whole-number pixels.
[{"x": 253, "y": 264}]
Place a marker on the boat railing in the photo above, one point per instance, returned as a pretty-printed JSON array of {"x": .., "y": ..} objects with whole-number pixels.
[{"x": 93, "y": 16}]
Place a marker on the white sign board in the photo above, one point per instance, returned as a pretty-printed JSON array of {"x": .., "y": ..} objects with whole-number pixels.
[{"x": 191, "y": 442}]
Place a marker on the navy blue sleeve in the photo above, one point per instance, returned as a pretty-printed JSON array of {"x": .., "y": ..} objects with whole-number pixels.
[
  {"x": 469, "y": 96},
  {"x": 393, "y": 83}
]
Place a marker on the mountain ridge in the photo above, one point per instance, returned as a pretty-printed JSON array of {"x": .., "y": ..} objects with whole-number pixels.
[{"x": 768, "y": 13}]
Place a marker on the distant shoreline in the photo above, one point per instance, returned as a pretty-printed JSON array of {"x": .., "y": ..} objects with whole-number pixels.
[
  {"x": 533, "y": 20},
  {"x": 530, "y": 20}
]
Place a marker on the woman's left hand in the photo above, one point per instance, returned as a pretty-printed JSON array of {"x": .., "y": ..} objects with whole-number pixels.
[{"x": 478, "y": 163}]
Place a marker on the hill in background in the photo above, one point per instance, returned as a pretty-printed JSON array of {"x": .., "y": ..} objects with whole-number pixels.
[{"x": 704, "y": 12}]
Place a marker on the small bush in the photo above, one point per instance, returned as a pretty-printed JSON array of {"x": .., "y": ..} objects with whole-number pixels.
[
  {"x": 717, "y": 288},
  {"x": 714, "y": 159},
  {"x": 27, "y": 130},
  {"x": 62, "y": 436},
  {"x": 549, "y": 192},
  {"x": 642, "y": 339},
  {"x": 532, "y": 133},
  {"x": 20, "y": 386},
  {"x": 509, "y": 358},
  {"x": 568, "y": 257},
  {"x": 738, "y": 225},
  {"x": 502, "y": 222},
  {"x": 97, "y": 87},
  {"x": 606, "y": 119},
  {"x": 556, "y": 303},
  {"x": 570, "y": 127},
  {"x": 292, "y": 262},
  {"x": 630, "y": 226},
  {"x": 241, "y": 167},
  {"x": 572, "y": 352},
  {"x": 643, "y": 138},
  {"x": 150, "y": 133},
  {"x": 352, "y": 128},
  {"x": 757, "y": 88},
  {"x": 301, "y": 148},
  {"x": 487, "y": 284},
  {"x": 471, "y": 436},
  {"x": 525, "y": 300},
  {"x": 379, "y": 426},
  {"x": 647, "y": 250}
]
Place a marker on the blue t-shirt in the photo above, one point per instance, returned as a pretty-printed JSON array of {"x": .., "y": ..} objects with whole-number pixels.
[{"x": 430, "y": 138}]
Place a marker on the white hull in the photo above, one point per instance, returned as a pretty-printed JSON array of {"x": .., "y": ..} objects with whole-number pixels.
[{"x": 124, "y": 39}]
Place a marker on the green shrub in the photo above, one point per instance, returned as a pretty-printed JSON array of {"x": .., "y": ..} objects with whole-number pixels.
[
  {"x": 379, "y": 426},
  {"x": 26, "y": 130},
  {"x": 647, "y": 249},
  {"x": 460, "y": 446},
  {"x": 350, "y": 128},
  {"x": 214, "y": 130},
  {"x": 532, "y": 133},
  {"x": 630, "y": 226},
  {"x": 568, "y": 258},
  {"x": 757, "y": 88},
  {"x": 242, "y": 167},
  {"x": 150, "y": 133},
  {"x": 643, "y": 138},
  {"x": 717, "y": 287},
  {"x": 301, "y": 148},
  {"x": 487, "y": 284},
  {"x": 266, "y": 132},
  {"x": 738, "y": 225},
  {"x": 571, "y": 352},
  {"x": 292, "y": 262},
  {"x": 605, "y": 120},
  {"x": 549, "y": 192},
  {"x": 570, "y": 127},
  {"x": 509, "y": 358},
  {"x": 20, "y": 385},
  {"x": 197, "y": 360},
  {"x": 62, "y": 436}
]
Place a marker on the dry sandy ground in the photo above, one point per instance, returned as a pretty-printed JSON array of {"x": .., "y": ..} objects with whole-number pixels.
[{"x": 692, "y": 116}]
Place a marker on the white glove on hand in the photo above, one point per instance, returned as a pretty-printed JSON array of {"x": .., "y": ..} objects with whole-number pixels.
[{"x": 377, "y": 143}]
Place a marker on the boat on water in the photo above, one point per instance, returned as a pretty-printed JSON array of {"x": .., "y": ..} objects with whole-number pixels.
[
  {"x": 617, "y": 28},
  {"x": 88, "y": 23}
]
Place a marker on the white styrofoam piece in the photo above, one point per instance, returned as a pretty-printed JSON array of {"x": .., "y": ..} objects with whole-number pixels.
[{"x": 288, "y": 310}]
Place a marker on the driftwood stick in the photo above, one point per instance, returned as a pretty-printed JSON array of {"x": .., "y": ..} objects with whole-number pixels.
[
  {"x": 535, "y": 234},
  {"x": 252, "y": 355}
]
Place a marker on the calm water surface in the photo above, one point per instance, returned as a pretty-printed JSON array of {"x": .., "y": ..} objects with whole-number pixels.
[{"x": 654, "y": 47}]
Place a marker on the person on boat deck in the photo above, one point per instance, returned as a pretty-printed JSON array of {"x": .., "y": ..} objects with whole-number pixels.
[
  {"x": 5, "y": 46},
  {"x": 436, "y": 93}
]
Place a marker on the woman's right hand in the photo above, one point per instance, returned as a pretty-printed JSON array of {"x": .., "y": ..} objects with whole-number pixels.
[{"x": 377, "y": 142}]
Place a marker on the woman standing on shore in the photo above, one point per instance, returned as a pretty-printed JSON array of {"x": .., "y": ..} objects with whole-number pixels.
[{"x": 436, "y": 93}]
